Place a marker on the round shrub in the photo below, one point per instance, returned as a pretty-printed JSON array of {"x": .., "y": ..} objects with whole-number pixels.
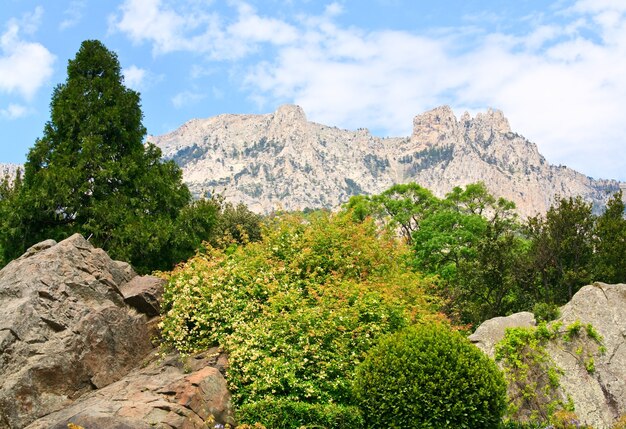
[{"x": 429, "y": 377}]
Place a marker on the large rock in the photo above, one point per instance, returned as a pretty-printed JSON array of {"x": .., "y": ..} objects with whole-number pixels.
[
  {"x": 64, "y": 328},
  {"x": 75, "y": 330},
  {"x": 167, "y": 393},
  {"x": 599, "y": 396},
  {"x": 491, "y": 332}
]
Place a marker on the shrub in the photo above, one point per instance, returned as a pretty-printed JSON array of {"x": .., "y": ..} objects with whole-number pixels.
[
  {"x": 429, "y": 377},
  {"x": 297, "y": 311},
  {"x": 563, "y": 419},
  {"x": 285, "y": 414},
  {"x": 545, "y": 312}
]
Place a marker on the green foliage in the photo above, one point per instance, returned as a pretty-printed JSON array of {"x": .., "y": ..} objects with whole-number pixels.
[
  {"x": 545, "y": 312},
  {"x": 564, "y": 419},
  {"x": 402, "y": 207},
  {"x": 486, "y": 262},
  {"x": 562, "y": 249},
  {"x": 296, "y": 311},
  {"x": 429, "y": 377},
  {"x": 532, "y": 376},
  {"x": 610, "y": 243},
  {"x": 9, "y": 191},
  {"x": 91, "y": 173},
  {"x": 286, "y": 414},
  {"x": 535, "y": 394}
]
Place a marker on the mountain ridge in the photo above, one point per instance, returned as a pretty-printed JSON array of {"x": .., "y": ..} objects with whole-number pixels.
[{"x": 280, "y": 160}]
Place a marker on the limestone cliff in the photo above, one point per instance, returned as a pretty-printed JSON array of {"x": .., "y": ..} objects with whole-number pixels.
[
  {"x": 280, "y": 160},
  {"x": 9, "y": 170}
]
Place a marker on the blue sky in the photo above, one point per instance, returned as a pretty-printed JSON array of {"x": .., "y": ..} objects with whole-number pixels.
[{"x": 557, "y": 69}]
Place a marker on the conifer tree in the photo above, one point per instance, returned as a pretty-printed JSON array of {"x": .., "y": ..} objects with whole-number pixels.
[
  {"x": 610, "y": 242},
  {"x": 91, "y": 173}
]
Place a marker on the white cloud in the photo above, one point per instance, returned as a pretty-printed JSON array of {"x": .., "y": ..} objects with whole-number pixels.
[
  {"x": 194, "y": 29},
  {"x": 254, "y": 28},
  {"x": 14, "y": 111},
  {"x": 186, "y": 98},
  {"x": 24, "y": 66},
  {"x": 30, "y": 22},
  {"x": 134, "y": 77},
  {"x": 334, "y": 9},
  {"x": 560, "y": 86},
  {"x": 561, "y": 83},
  {"x": 73, "y": 14}
]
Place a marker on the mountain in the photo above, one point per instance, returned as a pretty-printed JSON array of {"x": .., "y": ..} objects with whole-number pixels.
[
  {"x": 9, "y": 170},
  {"x": 280, "y": 160}
]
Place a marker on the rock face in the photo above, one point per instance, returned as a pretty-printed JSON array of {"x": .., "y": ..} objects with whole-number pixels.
[
  {"x": 281, "y": 160},
  {"x": 9, "y": 170},
  {"x": 67, "y": 332},
  {"x": 490, "y": 332},
  {"x": 164, "y": 394},
  {"x": 599, "y": 396}
]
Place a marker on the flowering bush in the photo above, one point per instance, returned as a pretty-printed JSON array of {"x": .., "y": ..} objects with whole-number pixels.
[{"x": 298, "y": 310}]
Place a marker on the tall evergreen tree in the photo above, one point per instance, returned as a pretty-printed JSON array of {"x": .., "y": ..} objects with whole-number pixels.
[
  {"x": 610, "y": 242},
  {"x": 562, "y": 249},
  {"x": 91, "y": 173}
]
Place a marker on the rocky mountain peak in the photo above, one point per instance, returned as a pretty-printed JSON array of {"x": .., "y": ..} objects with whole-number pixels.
[
  {"x": 289, "y": 114},
  {"x": 280, "y": 160},
  {"x": 434, "y": 126},
  {"x": 491, "y": 119}
]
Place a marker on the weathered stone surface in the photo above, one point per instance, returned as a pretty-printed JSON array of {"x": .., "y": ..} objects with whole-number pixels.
[
  {"x": 164, "y": 394},
  {"x": 9, "y": 170},
  {"x": 599, "y": 395},
  {"x": 71, "y": 342},
  {"x": 64, "y": 328},
  {"x": 488, "y": 334},
  {"x": 144, "y": 294},
  {"x": 282, "y": 161}
]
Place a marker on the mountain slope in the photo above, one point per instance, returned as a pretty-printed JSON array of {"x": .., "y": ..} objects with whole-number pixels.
[{"x": 280, "y": 160}]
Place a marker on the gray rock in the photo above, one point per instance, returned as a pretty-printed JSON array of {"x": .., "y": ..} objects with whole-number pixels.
[
  {"x": 599, "y": 396},
  {"x": 491, "y": 332},
  {"x": 281, "y": 161},
  {"x": 144, "y": 294},
  {"x": 71, "y": 340},
  {"x": 64, "y": 328},
  {"x": 166, "y": 393}
]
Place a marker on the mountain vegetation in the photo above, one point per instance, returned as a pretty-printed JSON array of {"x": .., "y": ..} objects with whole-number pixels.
[
  {"x": 350, "y": 319},
  {"x": 486, "y": 261}
]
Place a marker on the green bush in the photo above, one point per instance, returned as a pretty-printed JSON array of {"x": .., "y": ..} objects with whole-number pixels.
[
  {"x": 298, "y": 310},
  {"x": 429, "y": 377},
  {"x": 545, "y": 312},
  {"x": 285, "y": 414}
]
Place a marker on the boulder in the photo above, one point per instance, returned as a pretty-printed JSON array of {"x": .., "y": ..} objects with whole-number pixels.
[
  {"x": 167, "y": 393},
  {"x": 491, "y": 332},
  {"x": 75, "y": 347},
  {"x": 144, "y": 294},
  {"x": 599, "y": 394},
  {"x": 64, "y": 328}
]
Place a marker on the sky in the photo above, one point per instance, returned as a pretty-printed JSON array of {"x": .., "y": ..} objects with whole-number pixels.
[{"x": 557, "y": 69}]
